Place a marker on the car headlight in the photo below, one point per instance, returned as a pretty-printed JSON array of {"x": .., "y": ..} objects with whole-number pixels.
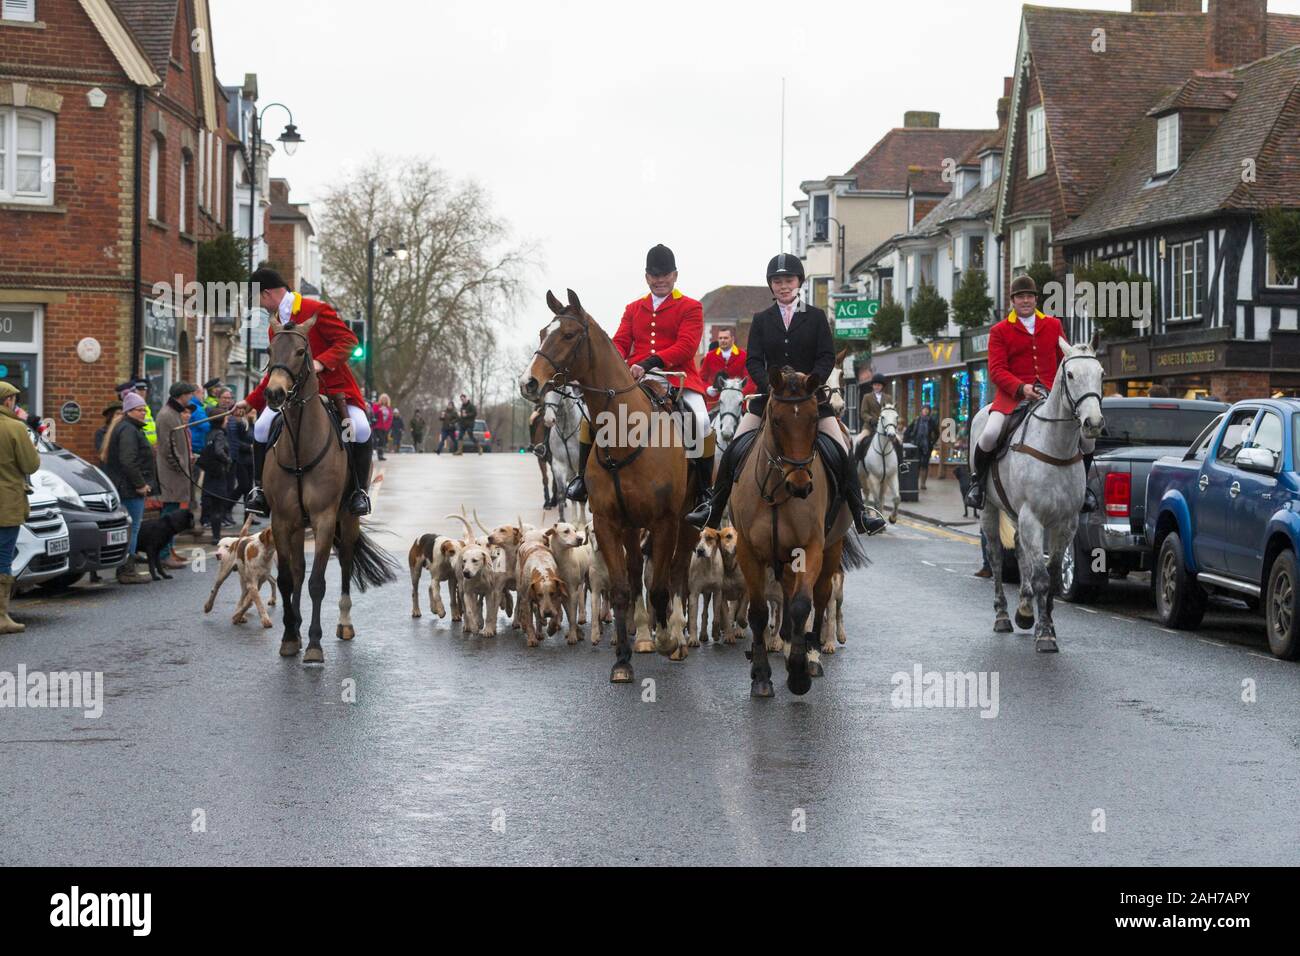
[{"x": 51, "y": 483}]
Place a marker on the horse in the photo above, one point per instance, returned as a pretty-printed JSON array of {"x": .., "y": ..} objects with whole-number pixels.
[
  {"x": 630, "y": 485},
  {"x": 1036, "y": 489},
  {"x": 880, "y": 464},
  {"x": 730, "y": 408},
  {"x": 305, "y": 478},
  {"x": 563, "y": 416},
  {"x": 778, "y": 503},
  {"x": 537, "y": 433},
  {"x": 835, "y": 383}
]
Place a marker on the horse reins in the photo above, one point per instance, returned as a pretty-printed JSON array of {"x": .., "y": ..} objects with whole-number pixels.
[
  {"x": 292, "y": 400},
  {"x": 775, "y": 463}
]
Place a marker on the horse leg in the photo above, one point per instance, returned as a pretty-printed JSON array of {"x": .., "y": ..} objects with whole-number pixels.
[
  {"x": 643, "y": 642},
  {"x": 668, "y": 640},
  {"x": 800, "y": 592},
  {"x": 288, "y": 541},
  {"x": 678, "y": 572},
  {"x": 760, "y": 670},
  {"x": 1026, "y": 556},
  {"x": 825, "y": 599},
  {"x": 894, "y": 495},
  {"x": 1033, "y": 535},
  {"x": 989, "y": 525},
  {"x": 323, "y": 535},
  {"x": 611, "y": 540},
  {"x": 348, "y": 533}
]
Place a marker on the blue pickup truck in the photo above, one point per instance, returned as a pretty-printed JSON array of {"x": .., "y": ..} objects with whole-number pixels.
[{"x": 1225, "y": 517}]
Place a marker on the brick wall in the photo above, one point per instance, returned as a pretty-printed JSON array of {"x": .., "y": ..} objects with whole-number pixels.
[
  {"x": 1166, "y": 6},
  {"x": 1239, "y": 386},
  {"x": 1238, "y": 32}
]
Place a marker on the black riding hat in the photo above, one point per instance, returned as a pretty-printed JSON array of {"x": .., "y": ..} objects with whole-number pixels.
[
  {"x": 660, "y": 261},
  {"x": 878, "y": 379},
  {"x": 785, "y": 265}
]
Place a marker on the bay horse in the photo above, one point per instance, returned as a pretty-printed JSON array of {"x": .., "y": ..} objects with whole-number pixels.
[
  {"x": 778, "y": 505},
  {"x": 631, "y": 485},
  {"x": 305, "y": 478}
]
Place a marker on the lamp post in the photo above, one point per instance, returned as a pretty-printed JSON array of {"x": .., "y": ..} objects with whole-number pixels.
[
  {"x": 399, "y": 254},
  {"x": 290, "y": 138}
]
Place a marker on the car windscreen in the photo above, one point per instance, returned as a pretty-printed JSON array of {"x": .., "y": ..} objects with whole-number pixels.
[{"x": 1131, "y": 425}]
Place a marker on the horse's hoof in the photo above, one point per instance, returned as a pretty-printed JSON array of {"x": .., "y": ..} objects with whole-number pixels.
[
  {"x": 290, "y": 648},
  {"x": 644, "y": 646},
  {"x": 1002, "y": 626},
  {"x": 679, "y": 654},
  {"x": 621, "y": 674},
  {"x": 1024, "y": 622},
  {"x": 893, "y": 519},
  {"x": 815, "y": 669},
  {"x": 692, "y": 642},
  {"x": 345, "y": 632},
  {"x": 761, "y": 688},
  {"x": 313, "y": 655},
  {"x": 267, "y": 624},
  {"x": 749, "y": 654},
  {"x": 1045, "y": 645},
  {"x": 799, "y": 682}
]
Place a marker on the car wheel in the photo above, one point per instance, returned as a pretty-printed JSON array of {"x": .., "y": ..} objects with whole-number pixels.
[
  {"x": 1282, "y": 607},
  {"x": 1072, "y": 587},
  {"x": 1180, "y": 601}
]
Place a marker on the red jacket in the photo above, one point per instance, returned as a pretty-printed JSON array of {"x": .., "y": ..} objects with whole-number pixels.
[
  {"x": 331, "y": 344},
  {"x": 1017, "y": 358},
  {"x": 729, "y": 366},
  {"x": 669, "y": 338}
]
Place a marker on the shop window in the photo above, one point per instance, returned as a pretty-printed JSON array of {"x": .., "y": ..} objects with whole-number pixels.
[
  {"x": 20, "y": 352},
  {"x": 1274, "y": 276}
]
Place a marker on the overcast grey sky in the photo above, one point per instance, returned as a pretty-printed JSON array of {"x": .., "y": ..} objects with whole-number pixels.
[{"x": 601, "y": 128}]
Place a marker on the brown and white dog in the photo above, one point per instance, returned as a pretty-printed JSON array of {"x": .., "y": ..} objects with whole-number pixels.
[
  {"x": 735, "y": 595},
  {"x": 573, "y": 561},
  {"x": 706, "y": 577},
  {"x": 508, "y": 538},
  {"x": 254, "y": 557},
  {"x": 434, "y": 553},
  {"x": 542, "y": 592},
  {"x": 597, "y": 586}
]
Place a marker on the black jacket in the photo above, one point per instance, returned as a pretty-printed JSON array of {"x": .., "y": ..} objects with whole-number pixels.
[
  {"x": 240, "y": 439},
  {"x": 130, "y": 462},
  {"x": 923, "y": 438},
  {"x": 807, "y": 346}
]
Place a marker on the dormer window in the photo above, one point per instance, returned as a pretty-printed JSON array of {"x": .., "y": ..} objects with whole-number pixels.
[
  {"x": 989, "y": 169},
  {"x": 1167, "y": 144}
]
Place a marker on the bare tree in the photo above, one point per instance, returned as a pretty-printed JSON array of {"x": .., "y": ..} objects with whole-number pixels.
[{"x": 432, "y": 311}]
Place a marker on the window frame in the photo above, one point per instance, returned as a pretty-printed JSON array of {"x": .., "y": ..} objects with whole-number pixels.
[
  {"x": 1179, "y": 272},
  {"x": 1023, "y": 241},
  {"x": 182, "y": 207},
  {"x": 1036, "y": 141},
  {"x": 1167, "y": 144},
  {"x": 1269, "y": 269},
  {"x": 9, "y": 117},
  {"x": 30, "y": 8},
  {"x": 155, "y": 205}
]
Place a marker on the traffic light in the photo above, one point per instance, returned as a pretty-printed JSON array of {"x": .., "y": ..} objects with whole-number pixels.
[{"x": 358, "y": 327}]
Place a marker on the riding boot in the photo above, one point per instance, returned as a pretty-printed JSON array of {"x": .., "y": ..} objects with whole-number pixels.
[
  {"x": 709, "y": 512},
  {"x": 851, "y": 486},
  {"x": 360, "y": 454},
  {"x": 576, "y": 490},
  {"x": 979, "y": 460},
  {"x": 1089, "y": 499},
  {"x": 703, "y": 480},
  {"x": 7, "y": 624},
  {"x": 255, "y": 501}
]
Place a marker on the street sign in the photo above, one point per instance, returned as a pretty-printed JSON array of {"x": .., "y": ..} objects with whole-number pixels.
[{"x": 853, "y": 318}]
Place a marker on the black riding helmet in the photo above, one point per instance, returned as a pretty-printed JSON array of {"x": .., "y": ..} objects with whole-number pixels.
[{"x": 785, "y": 265}]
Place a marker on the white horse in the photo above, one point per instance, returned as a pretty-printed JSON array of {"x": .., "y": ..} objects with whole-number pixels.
[
  {"x": 835, "y": 383},
  {"x": 562, "y": 413},
  {"x": 729, "y": 410},
  {"x": 880, "y": 464},
  {"x": 1042, "y": 478}
]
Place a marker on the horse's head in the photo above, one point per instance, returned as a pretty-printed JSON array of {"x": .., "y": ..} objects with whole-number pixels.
[
  {"x": 564, "y": 349},
  {"x": 1079, "y": 378},
  {"x": 835, "y": 382},
  {"x": 289, "y": 361},
  {"x": 550, "y": 408},
  {"x": 792, "y": 417},
  {"x": 889, "y": 421},
  {"x": 731, "y": 396}
]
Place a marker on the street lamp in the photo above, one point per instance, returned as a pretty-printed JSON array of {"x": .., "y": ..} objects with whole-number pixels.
[
  {"x": 290, "y": 139},
  {"x": 400, "y": 255}
]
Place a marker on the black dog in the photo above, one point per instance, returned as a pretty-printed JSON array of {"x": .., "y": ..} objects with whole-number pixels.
[
  {"x": 962, "y": 474},
  {"x": 155, "y": 534}
]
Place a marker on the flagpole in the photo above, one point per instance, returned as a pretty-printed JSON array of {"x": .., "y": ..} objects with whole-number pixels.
[{"x": 780, "y": 219}]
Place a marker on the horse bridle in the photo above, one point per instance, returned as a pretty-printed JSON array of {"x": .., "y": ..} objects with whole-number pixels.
[
  {"x": 292, "y": 399},
  {"x": 298, "y": 378},
  {"x": 1064, "y": 379},
  {"x": 723, "y": 416},
  {"x": 565, "y": 377},
  {"x": 778, "y": 461}
]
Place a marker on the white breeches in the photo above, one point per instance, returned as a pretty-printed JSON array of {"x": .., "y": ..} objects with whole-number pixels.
[
  {"x": 997, "y": 421},
  {"x": 360, "y": 424},
  {"x": 827, "y": 426},
  {"x": 695, "y": 402}
]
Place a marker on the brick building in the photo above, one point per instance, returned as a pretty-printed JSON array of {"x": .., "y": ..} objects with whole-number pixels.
[{"x": 113, "y": 166}]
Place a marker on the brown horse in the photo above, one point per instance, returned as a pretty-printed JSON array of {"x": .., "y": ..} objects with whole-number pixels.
[
  {"x": 778, "y": 505},
  {"x": 631, "y": 485},
  {"x": 305, "y": 478}
]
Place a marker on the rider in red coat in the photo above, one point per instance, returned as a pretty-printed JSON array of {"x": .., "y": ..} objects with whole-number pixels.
[
  {"x": 661, "y": 333},
  {"x": 727, "y": 360},
  {"x": 1024, "y": 356},
  {"x": 331, "y": 343}
]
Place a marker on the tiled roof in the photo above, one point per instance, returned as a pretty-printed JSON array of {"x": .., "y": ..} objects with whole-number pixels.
[
  {"x": 1263, "y": 124},
  {"x": 1092, "y": 100},
  {"x": 928, "y": 182},
  {"x": 1203, "y": 91},
  {"x": 886, "y": 166},
  {"x": 975, "y": 204},
  {"x": 153, "y": 23},
  {"x": 735, "y": 302}
]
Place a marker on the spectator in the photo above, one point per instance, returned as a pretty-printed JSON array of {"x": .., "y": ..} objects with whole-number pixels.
[
  {"x": 383, "y": 413},
  {"x": 128, "y": 461},
  {"x": 110, "y": 412},
  {"x": 924, "y": 434},
  {"x": 1158, "y": 391},
  {"x": 218, "y": 484},
  {"x": 466, "y": 417},
  {"x": 417, "y": 430},
  {"x": 214, "y": 388},
  {"x": 399, "y": 426},
  {"x": 239, "y": 434},
  {"x": 141, "y": 387},
  {"x": 448, "y": 423},
  {"x": 199, "y": 424},
  {"x": 18, "y": 459},
  {"x": 175, "y": 458}
]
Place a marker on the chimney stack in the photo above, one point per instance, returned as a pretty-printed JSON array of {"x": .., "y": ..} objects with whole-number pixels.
[
  {"x": 1004, "y": 101},
  {"x": 1238, "y": 32},
  {"x": 920, "y": 119},
  {"x": 1166, "y": 6}
]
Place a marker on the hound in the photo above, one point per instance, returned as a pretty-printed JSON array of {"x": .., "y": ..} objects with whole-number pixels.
[
  {"x": 542, "y": 593},
  {"x": 597, "y": 587},
  {"x": 833, "y": 620},
  {"x": 705, "y": 577},
  {"x": 508, "y": 538},
  {"x": 479, "y": 585},
  {"x": 253, "y": 556},
  {"x": 735, "y": 596},
  {"x": 434, "y": 552},
  {"x": 573, "y": 561}
]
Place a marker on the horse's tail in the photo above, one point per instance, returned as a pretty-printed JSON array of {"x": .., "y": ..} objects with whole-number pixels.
[
  {"x": 854, "y": 555},
  {"x": 371, "y": 564}
]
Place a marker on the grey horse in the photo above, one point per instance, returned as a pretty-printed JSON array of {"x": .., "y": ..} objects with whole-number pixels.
[
  {"x": 1042, "y": 478},
  {"x": 562, "y": 412},
  {"x": 729, "y": 410}
]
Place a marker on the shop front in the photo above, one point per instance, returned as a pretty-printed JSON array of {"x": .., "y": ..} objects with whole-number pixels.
[
  {"x": 161, "y": 359},
  {"x": 932, "y": 374},
  {"x": 975, "y": 349},
  {"x": 1207, "y": 366},
  {"x": 20, "y": 352}
]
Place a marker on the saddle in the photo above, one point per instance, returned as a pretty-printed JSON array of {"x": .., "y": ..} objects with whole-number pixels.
[
  {"x": 832, "y": 456},
  {"x": 662, "y": 393},
  {"x": 335, "y": 408}
]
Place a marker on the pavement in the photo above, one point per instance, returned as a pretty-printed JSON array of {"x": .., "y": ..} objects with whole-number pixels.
[
  {"x": 941, "y": 504},
  {"x": 418, "y": 744}
]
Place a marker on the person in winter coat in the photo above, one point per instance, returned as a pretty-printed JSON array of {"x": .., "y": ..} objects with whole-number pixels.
[
  {"x": 447, "y": 424},
  {"x": 218, "y": 485},
  {"x": 382, "y": 412},
  {"x": 175, "y": 458},
  {"x": 239, "y": 435},
  {"x": 417, "y": 430},
  {"x": 18, "y": 459},
  {"x": 399, "y": 426},
  {"x": 128, "y": 460},
  {"x": 465, "y": 419},
  {"x": 199, "y": 424},
  {"x": 111, "y": 413},
  {"x": 924, "y": 434}
]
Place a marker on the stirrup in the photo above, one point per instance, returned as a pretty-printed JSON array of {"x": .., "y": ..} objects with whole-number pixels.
[
  {"x": 255, "y": 502},
  {"x": 576, "y": 489},
  {"x": 975, "y": 496},
  {"x": 359, "y": 504}
]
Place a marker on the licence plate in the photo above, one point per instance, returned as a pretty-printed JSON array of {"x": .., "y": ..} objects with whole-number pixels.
[
  {"x": 119, "y": 536},
  {"x": 56, "y": 546}
]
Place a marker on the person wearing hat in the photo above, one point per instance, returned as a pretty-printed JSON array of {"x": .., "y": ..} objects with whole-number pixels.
[
  {"x": 18, "y": 459},
  {"x": 873, "y": 400},
  {"x": 141, "y": 387},
  {"x": 110, "y": 411},
  {"x": 726, "y": 359},
  {"x": 1024, "y": 352},
  {"x": 174, "y": 458},
  {"x": 128, "y": 460},
  {"x": 212, "y": 389},
  {"x": 658, "y": 333},
  {"x": 791, "y": 333},
  {"x": 331, "y": 343}
]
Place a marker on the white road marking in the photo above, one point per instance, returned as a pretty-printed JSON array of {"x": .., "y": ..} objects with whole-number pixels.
[
  {"x": 1206, "y": 640},
  {"x": 1085, "y": 610},
  {"x": 929, "y": 564},
  {"x": 1167, "y": 631},
  {"x": 1267, "y": 657}
]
